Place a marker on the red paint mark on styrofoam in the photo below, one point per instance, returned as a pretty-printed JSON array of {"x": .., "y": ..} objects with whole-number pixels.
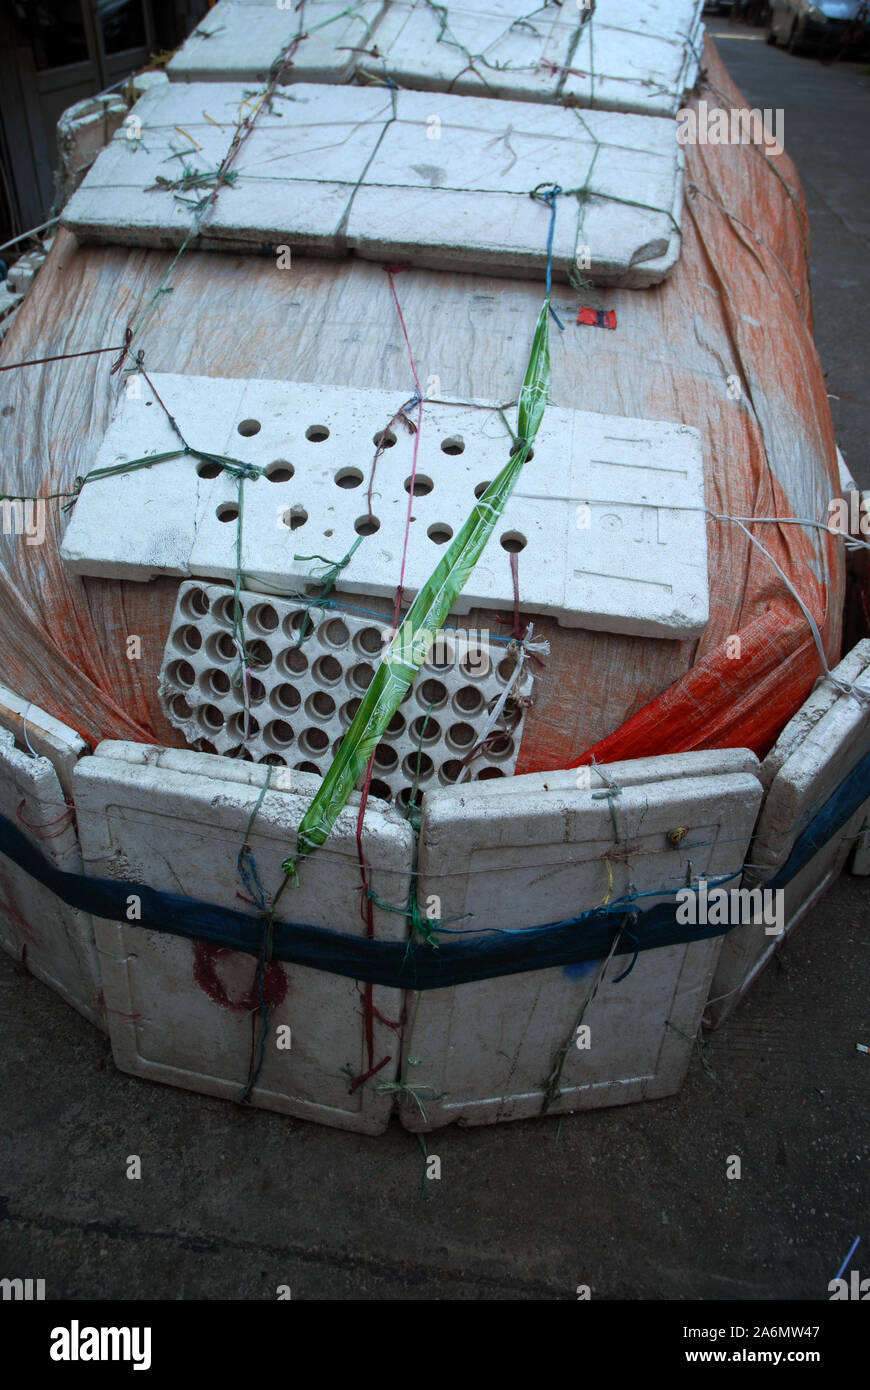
[{"x": 206, "y": 958}]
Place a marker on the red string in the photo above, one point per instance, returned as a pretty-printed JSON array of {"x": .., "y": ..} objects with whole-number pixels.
[
  {"x": 367, "y": 913},
  {"x": 68, "y": 816},
  {"x": 61, "y": 357},
  {"x": 391, "y": 271}
]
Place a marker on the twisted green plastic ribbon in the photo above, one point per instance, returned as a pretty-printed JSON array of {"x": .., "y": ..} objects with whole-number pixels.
[{"x": 411, "y": 644}]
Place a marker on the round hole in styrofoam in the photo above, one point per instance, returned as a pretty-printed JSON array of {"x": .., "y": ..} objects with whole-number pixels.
[
  {"x": 347, "y": 712},
  {"x": 486, "y": 774},
  {"x": 386, "y": 757},
  {"x": 207, "y": 468},
  {"x": 221, "y": 647},
  {"x": 249, "y": 428},
  {"x": 211, "y": 718},
  {"x": 281, "y": 471},
  {"x": 188, "y": 639},
  {"x": 320, "y": 705},
  {"x": 505, "y": 669},
  {"x": 348, "y": 477},
  {"x": 396, "y": 725},
  {"x": 279, "y": 734},
  {"x": 259, "y": 654},
  {"x": 317, "y": 433},
  {"x": 442, "y": 654},
  {"x": 256, "y": 691},
  {"x": 476, "y": 666},
  {"x": 227, "y": 511},
  {"x": 299, "y": 626},
  {"x": 418, "y": 765},
  {"x": 513, "y": 541},
  {"x": 366, "y": 525},
  {"x": 467, "y": 700},
  {"x": 263, "y": 618},
  {"x": 432, "y": 692},
  {"x": 406, "y": 796},
  {"x": 440, "y": 533},
  {"x": 195, "y": 604},
  {"x": 181, "y": 673},
  {"x": 499, "y": 745},
  {"x": 369, "y": 641},
  {"x": 242, "y": 755},
  {"x": 384, "y": 439},
  {"x": 224, "y": 609},
  {"x": 361, "y": 675},
  {"x": 336, "y": 747},
  {"x": 180, "y": 708},
  {"x": 273, "y": 760},
  {"x": 295, "y": 517},
  {"x": 314, "y": 740},
  {"x": 454, "y": 445},
  {"x": 450, "y": 771},
  {"x": 307, "y": 767},
  {"x": 422, "y": 485},
  {"x": 327, "y": 671},
  {"x": 215, "y": 682},
  {"x": 243, "y": 725},
  {"x": 380, "y": 789},
  {"x": 425, "y": 728},
  {"x": 335, "y": 633},
  {"x": 292, "y": 662},
  {"x": 513, "y": 449},
  {"x": 285, "y": 698},
  {"x": 461, "y": 735},
  {"x": 481, "y": 489}
]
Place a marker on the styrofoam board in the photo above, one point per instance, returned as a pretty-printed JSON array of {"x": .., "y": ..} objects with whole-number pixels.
[
  {"x": 821, "y": 751},
  {"x": 331, "y": 169},
  {"x": 306, "y": 694},
  {"x": 240, "y": 42},
  {"x": 179, "y": 828},
  {"x": 639, "y": 567},
  {"x": 815, "y": 707},
  {"x": 483, "y": 1051},
  {"x": 46, "y": 735},
  {"x": 55, "y": 942},
  {"x": 638, "y": 57}
]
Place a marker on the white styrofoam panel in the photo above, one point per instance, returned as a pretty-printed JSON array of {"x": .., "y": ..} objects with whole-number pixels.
[
  {"x": 815, "y": 707},
  {"x": 608, "y": 513},
  {"x": 56, "y": 942},
  {"x": 303, "y": 695},
  {"x": 331, "y": 169},
  {"x": 820, "y": 751},
  {"x": 238, "y": 41},
  {"x": 482, "y": 1051},
  {"x": 635, "y": 56},
  {"x": 46, "y": 735},
  {"x": 177, "y": 822}
]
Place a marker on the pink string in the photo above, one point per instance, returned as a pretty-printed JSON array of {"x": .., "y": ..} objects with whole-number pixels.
[{"x": 391, "y": 271}]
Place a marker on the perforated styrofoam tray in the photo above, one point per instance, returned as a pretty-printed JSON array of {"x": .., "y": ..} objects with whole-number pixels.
[
  {"x": 607, "y": 515},
  {"x": 303, "y": 696}
]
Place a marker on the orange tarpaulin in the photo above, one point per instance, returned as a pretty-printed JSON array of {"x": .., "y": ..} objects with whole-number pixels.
[{"x": 724, "y": 345}]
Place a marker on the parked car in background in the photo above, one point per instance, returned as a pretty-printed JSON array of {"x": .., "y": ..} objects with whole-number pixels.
[{"x": 835, "y": 27}]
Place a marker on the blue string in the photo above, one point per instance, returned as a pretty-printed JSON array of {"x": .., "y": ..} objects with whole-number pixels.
[{"x": 549, "y": 198}]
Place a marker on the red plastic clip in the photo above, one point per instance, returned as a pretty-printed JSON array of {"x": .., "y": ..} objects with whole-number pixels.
[{"x": 598, "y": 318}]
